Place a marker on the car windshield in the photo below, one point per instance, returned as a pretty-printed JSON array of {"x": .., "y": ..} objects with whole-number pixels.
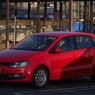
[{"x": 35, "y": 43}]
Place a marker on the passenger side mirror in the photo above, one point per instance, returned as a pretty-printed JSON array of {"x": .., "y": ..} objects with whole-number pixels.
[{"x": 58, "y": 50}]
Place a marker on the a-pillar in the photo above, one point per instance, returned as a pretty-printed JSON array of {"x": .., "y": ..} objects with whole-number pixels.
[{"x": 70, "y": 15}]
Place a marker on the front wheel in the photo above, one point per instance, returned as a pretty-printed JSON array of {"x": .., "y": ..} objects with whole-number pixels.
[{"x": 40, "y": 77}]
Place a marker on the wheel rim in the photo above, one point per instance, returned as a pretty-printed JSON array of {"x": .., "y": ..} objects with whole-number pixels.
[{"x": 40, "y": 77}]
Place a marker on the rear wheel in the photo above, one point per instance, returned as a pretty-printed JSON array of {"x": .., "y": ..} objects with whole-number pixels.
[{"x": 40, "y": 77}]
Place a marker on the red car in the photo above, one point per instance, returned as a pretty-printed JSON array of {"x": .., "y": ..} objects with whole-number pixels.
[{"x": 49, "y": 56}]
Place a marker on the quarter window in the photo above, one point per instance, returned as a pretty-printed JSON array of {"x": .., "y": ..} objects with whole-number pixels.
[{"x": 83, "y": 42}]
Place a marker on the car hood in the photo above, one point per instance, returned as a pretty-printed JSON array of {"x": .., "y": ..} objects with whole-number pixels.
[{"x": 12, "y": 55}]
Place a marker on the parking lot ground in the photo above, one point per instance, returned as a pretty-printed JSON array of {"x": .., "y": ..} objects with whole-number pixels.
[{"x": 76, "y": 86}]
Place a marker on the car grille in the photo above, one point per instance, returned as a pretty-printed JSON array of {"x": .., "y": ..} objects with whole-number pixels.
[
  {"x": 4, "y": 64},
  {"x": 11, "y": 76},
  {"x": 5, "y": 77}
]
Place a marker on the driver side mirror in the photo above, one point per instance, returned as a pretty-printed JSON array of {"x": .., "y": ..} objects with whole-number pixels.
[{"x": 58, "y": 50}]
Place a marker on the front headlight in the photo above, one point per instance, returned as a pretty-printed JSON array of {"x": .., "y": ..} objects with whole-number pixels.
[{"x": 20, "y": 64}]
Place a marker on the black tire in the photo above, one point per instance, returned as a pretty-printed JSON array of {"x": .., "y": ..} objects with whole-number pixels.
[
  {"x": 40, "y": 77},
  {"x": 93, "y": 77}
]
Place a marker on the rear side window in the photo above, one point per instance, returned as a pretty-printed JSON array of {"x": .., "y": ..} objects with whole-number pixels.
[
  {"x": 83, "y": 42},
  {"x": 65, "y": 44}
]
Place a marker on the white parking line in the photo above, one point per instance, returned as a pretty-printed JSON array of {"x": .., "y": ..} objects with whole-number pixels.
[{"x": 55, "y": 90}]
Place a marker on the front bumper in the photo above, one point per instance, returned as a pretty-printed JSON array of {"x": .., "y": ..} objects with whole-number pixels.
[{"x": 8, "y": 74}]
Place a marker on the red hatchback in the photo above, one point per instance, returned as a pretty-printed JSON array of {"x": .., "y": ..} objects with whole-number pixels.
[{"x": 49, "y": 56}]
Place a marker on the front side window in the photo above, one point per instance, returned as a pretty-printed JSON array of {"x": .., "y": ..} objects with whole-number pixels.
[
  {"x": 83, "y": 42},
  {"x": 65, "y": 44},
  {"x": 93, "y": 40},
  {"x": 35, "y": 43}
]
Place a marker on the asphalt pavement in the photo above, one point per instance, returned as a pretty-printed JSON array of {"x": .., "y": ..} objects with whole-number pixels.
[{"x": 75, "y": 86}]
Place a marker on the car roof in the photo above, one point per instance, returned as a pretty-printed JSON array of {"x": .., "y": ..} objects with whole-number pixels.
[{"x": 62, "y": 33}]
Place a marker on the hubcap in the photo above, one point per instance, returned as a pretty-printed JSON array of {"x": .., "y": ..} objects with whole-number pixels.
[{"x": 40, "y": 77}]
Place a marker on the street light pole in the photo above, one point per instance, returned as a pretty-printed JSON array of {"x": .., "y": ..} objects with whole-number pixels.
[{"x": 7, "y": 24}]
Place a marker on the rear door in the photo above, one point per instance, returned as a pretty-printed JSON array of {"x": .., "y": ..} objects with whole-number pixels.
[{"x": 83, "y": 64}]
